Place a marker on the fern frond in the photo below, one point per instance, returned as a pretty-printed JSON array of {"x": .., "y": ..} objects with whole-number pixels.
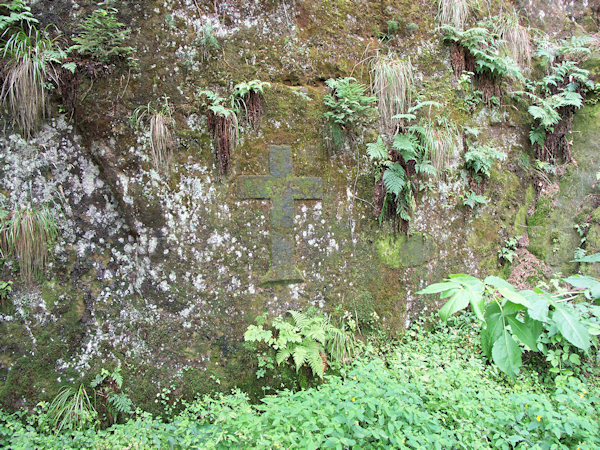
[
  {"x": 377, "y": 151},
  {"x": 394, "y": 179},
  {"x": 300, "y": 354}
]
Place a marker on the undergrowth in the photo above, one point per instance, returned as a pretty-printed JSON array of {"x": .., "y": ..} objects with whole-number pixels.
[{"x": 432, "y": 389}]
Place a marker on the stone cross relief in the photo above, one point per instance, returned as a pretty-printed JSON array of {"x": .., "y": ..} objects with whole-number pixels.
[{"x": 282, "y": 188}]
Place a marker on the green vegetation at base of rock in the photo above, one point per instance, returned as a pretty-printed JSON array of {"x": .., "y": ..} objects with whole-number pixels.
[{"x": 430, "y": 389}]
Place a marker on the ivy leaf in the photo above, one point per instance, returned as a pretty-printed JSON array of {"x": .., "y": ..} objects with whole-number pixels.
[
  {"x": 571, "y": 328},
  {"x": 506, "y": 354}
]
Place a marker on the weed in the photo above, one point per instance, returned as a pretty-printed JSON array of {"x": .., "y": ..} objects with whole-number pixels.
[
  {"x": 507, "y": 253},
  {"x": 479, "y": 160},
  {"x": 208, "y": 42},
  {"x": 223, "y": 127},
  {"x": 515, "y": 36},
  {"x": 247, "y": 98},
  {"x": 349, "y": 109},
  {"x": 472, "y": 200}
]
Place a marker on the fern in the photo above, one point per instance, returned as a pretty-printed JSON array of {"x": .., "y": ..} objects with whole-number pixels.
[
  {"x": 377, "y": 151},
  {"x": 480, "y": 159},
  {"x": 407, "y": 145},
  {"x": 120, "y": 403},
  {"x": 394, "y": 179}
]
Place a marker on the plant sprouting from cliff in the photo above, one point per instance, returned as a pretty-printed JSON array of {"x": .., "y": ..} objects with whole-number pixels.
[
  {"x": 31, "y": 57},
  {"x": 393, "y": 84},
  {"x": 248, "y": 98},
  {"x": 102, "y": 37},
  {"x": 208, "y": 41},
  {"x": 162, "y": 143},
  {"x": 27, "y": 232},
  {"x": 454, "y": 12},
  {"x": 223, "y": 128},
  {"x": 349, "y": 108},
  {"x": 480, "y": 159},
  {"x": 554, "y": 101},
  {"x": 516, "y": 38}
]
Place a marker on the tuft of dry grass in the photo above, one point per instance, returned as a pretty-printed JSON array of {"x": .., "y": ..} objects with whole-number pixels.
[
  {"x": 27, "y": 234},
  {"x": 31, "y": 56},
  {"x": 454, "y": 12},
  {"x": 443, "y": 140},
  {"x": 393, "y": 85},
  {"x": 517, "y": 40},
  {"x": 161, "y": 142}
]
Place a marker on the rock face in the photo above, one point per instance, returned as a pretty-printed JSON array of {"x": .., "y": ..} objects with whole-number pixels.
[{"x": 162, "y": 273}]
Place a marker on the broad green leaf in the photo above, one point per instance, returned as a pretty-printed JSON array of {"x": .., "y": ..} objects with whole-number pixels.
[
  {"x": 588, "y": 258},
  {"x": 439, "y": 287},
  {"x": 538, "y": 305},
  {"x": 457, "y": 302},
  {"x": 487, "y": 342},
  {"x": 507, "y": 290},
  {"x": 584, "y": 282},
  {"x": 506, "y": 354},
  {"x": 513, "y": 296},
  {"x": 571, "y": 328},
  {"x": 528, "y": 332},
  {"x": 493, "y": 321},
  {"x": 498, "y": 282}
]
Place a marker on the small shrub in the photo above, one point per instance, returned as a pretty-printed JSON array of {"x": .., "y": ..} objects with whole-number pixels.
[
  {"x": 102, "y": 37},
  {"x": 515, "y": 319},
  {"x": 27, "y": 234}
]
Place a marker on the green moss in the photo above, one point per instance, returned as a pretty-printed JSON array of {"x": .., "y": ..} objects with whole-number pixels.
[{"x": 405, "y": 251}]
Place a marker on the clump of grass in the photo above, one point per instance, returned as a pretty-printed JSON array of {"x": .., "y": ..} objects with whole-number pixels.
[
  {"x": 26, "y": 233},
  {"x": 72, "y": 410},
  {"x": 454, "y": 12},
  {"x": 162, "y": 142},
  {"x": 393, "y": 83},
  {"x": 31, "y": 55},
  {"x": 515, "y": 36},
  {"x": 444, "y": 140}
]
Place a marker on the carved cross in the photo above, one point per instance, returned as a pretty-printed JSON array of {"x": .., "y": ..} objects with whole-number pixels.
[{"x": 282, "y": 188}]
